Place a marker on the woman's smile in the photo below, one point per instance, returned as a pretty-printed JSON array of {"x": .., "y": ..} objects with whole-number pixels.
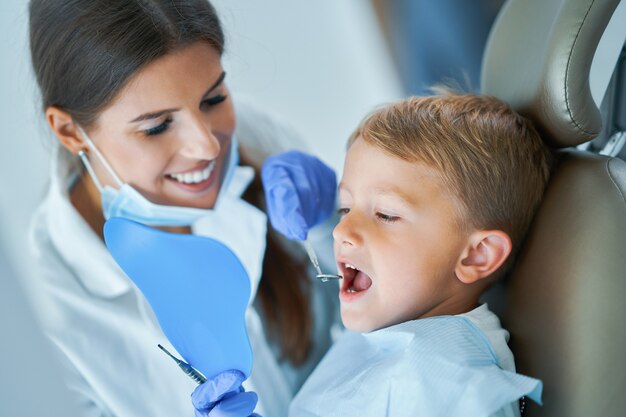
[{"x": 196, "y": 179}]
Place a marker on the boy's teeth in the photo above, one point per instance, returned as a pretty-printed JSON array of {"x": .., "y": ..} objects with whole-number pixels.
[
  {"x": 351, "y": 266},
  {"x": 196, "y": 176}
]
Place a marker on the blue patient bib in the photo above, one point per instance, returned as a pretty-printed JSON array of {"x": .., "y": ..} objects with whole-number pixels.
[{"x": 196, "y": 286}]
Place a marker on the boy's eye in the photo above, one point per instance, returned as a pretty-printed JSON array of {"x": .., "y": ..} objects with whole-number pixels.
[
  {"x": 213, "y": 101},
  {"x": 386, "y": 217},
  {"x": 159, "y": 128},
  {"x": 342, "y": 211}
]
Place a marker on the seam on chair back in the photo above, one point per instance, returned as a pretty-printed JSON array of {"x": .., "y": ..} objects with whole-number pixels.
[
  {"x": 568, "y": 72},
  {"x": 612, "y": 176}
]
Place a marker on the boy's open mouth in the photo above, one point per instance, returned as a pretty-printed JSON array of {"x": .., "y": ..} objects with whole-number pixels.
[{"x": 354, "y": 280}]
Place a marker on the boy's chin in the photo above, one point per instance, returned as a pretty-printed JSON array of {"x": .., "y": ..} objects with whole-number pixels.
[{"x": 358, "y": 324}]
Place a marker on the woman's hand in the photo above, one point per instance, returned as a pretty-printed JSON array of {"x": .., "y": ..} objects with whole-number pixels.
[
  {"x": 300, "y": 192},
  {"x": 223, "y": 396}
]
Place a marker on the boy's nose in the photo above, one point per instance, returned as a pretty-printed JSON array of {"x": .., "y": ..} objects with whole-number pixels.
[{"x": 346, "y": 232}]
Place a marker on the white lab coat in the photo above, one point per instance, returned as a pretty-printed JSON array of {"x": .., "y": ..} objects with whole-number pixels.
[
  {"x": 106, "y": 332},
  {"x": 440, "y": 366}
]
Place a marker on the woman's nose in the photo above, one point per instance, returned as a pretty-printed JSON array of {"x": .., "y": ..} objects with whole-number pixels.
[
  {"x": 199, "y": 142},
  {"x": 346, "y": 233}
]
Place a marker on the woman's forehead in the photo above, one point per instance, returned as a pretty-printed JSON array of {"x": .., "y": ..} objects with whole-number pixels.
[{"x": 176, "y": 79}]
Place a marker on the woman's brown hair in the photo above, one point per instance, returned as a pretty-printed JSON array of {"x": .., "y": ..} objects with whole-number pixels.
[{"x": 284, "y": 288}]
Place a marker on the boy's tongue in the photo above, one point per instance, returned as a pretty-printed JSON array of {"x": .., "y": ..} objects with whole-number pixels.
[{"x": 361, "y": 281}]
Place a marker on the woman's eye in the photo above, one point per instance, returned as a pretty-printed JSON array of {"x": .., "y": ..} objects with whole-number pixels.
[
  {"x": 212, "y": 101},
  {"x": 343, "y": 211},
  {"x": 159, "y": 128},
  {"x": 386, "y": 217}
]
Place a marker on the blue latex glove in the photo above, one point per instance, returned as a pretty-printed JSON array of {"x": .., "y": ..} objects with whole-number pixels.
[
  {"x": 223, "y": 396},
  {"x": 300, "y": 192}
]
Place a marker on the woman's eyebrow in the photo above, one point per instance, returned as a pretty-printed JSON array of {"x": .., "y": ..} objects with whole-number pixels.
[
  {"x": 159, "y": 113},
  {"x": 152, "y": 115},
  {"x": 215, "y": 85}
]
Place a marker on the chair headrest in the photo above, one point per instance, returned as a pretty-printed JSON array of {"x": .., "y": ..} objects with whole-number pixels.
[{"x": 559, "y": 38}]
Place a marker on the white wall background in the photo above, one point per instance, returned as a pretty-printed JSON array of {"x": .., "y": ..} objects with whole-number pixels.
[
  {"x": 23, "y": 158},
  {"x": 323, "y": 65}
]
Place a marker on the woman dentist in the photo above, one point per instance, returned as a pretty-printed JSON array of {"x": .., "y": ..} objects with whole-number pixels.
[{"x": 136, "y": 95}]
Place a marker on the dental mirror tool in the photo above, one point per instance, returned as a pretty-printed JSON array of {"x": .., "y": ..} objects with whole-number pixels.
[
  {"x": 188, "y": 369},
  {"x": 313, "y": 257}
]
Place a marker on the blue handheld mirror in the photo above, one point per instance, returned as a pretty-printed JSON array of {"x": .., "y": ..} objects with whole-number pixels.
[{"x": 197, "y": 287}]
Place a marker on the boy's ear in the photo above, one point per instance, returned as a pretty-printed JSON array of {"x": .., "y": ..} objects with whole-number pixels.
[
  {"x": 485, "y": 252},
  {"x": 65, "y": 129}
]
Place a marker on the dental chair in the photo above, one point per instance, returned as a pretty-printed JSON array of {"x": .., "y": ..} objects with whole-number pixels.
[{"x": 564, "y": 302}]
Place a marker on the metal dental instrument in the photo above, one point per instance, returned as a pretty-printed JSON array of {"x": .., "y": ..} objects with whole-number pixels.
[
  {"x": 188, "y": 369},
  {"x": 316, "y": 264}
]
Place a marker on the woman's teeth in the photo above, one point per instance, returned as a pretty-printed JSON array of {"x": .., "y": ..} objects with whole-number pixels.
[{"x": 195, "y": 176}]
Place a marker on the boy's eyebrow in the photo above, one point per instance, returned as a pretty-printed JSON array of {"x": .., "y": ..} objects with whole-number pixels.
[
  {"x": 390, "y": 191},
  {"x": 393, "y": 192}
]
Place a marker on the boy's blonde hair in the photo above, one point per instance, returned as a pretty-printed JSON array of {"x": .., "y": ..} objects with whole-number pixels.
[{"x": 491, "y": 159}]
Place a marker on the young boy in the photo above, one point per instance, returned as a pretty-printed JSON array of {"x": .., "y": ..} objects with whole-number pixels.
[{"x": 436, "y": 197}]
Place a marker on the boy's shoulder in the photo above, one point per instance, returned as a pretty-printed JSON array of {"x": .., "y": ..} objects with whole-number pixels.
[{"x": 489, "y": 324}]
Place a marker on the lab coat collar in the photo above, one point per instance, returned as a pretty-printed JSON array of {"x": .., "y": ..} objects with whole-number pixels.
[{"x": 76, "y": 242}]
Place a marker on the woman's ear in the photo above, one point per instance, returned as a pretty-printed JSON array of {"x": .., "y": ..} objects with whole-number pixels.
[
  {"x": 485, "y": 252},
  {"x": 65, "y": 129}
]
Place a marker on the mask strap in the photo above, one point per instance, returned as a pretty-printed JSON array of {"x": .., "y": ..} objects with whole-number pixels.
[
  {"x": 101, "y": 158},
  {"x": 92, "y": 174}
]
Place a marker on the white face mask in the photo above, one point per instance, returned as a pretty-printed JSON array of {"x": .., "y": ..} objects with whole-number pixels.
[{"x": 128, "y": 203}]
